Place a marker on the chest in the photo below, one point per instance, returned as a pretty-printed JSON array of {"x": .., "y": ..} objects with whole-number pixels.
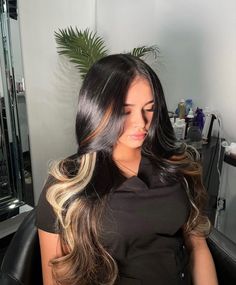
[{"x": 144, "y": 218}]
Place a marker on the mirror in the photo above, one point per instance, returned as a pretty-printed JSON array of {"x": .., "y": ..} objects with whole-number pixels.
[{"x": 16, "y": 187}]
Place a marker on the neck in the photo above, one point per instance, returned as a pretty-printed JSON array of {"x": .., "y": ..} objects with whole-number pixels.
[{"x": 123, "y": 153}]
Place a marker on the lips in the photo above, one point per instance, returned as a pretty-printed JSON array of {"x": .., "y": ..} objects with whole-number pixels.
[{"x": 138, "y": 136}]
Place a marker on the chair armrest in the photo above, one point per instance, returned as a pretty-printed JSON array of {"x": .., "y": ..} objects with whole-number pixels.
[{"x": 223, "y": 251}]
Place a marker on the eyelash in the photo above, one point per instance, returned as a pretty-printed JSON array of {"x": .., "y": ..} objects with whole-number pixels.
[{"x": 152, "y": 109}]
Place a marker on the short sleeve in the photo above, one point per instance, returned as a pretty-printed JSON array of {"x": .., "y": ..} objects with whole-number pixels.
[{"x": 45, "y": 216}]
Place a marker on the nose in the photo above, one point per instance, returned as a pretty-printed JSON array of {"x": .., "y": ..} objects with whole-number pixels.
[{"x": 139, "y": 119}]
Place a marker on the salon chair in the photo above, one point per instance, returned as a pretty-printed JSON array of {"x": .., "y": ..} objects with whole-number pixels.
[{"x": 22, "y": 265}]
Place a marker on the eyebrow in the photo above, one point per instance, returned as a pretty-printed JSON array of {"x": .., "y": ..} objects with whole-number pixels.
[{"x": 149, "y": 102}]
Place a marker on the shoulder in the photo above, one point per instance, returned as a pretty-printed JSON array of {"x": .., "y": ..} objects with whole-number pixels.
[{"x": 45, "y": 217}]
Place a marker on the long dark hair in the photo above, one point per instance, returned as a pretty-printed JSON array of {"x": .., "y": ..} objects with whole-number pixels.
[
  {"x": 99, "y": 123},
  {"x": 101, "y": 101}
]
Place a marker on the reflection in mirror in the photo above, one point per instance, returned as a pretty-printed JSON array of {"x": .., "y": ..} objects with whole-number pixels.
[{"x": 15, "y": 167}]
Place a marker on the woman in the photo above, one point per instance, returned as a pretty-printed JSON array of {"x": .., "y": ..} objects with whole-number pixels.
[{"x": 128, "y": 207}]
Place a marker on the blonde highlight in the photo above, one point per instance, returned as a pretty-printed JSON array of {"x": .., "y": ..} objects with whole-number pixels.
[{"x": 84, "y": 257}]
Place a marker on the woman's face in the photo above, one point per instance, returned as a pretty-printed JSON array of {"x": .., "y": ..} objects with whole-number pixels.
[{"x": 138, "y": 112}]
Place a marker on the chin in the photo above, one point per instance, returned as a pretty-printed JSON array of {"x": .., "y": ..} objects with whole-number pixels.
[
  {"x": 134, "y": 145},
  {"x": 131, "y": 144}
]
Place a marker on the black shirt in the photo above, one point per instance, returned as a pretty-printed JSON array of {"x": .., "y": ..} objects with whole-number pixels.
[{"x": 141, "y": 224}]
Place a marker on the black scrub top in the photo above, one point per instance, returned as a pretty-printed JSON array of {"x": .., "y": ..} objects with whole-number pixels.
[{"x": 141, "y": 224}]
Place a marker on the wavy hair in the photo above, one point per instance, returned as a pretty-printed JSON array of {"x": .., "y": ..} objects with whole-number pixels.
[{"x": 99, "y": 123}]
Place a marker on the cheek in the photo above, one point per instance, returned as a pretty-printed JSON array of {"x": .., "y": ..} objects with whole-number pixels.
[
  {"x": 127, "y": 125},
  {"x": 149, "y": 118}
]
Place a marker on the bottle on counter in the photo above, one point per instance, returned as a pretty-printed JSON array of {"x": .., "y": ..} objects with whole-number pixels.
[
  {"x": 189, "y": 120},
  {"x": 194, "y": 136},
  {"x": 209, "y": 118},
  {"x": 188, "y": 105},
  {"x": 179, "y": 129},
  {"x": 182, "y": 109}
]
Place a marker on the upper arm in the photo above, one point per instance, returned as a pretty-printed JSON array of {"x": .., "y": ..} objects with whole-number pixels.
[
  {"x": 50, "y": 248},
  {"x": 46, "y": 218}
]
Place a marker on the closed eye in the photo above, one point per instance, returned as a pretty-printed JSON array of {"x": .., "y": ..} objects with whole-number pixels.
[
  {"x": 151, "y": 109},
  {"x": 126, "y": 111}
]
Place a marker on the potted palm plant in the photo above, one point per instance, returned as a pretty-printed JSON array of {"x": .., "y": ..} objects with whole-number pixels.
[{"x": 83, "y": 48}]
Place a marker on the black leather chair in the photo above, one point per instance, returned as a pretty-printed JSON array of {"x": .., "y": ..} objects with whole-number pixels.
[
  {"x": 22, "y": 265},
  {"x": 223, "y": 251}
]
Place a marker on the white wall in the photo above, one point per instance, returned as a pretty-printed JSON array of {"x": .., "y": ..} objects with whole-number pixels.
[
  {"x": 51, "y": 84},
  {"x": 197, "y": 41}
]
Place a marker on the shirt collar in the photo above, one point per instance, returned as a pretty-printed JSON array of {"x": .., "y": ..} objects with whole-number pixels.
[{"x": 108, "y": 178}]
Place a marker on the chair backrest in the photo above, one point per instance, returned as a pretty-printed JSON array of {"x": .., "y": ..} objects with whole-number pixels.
[
  {"x": 223, "y": 251},
  {"x": 22, "y": 262}
]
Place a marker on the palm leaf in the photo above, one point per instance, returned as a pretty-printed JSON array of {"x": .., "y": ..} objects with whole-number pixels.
[
  {"x": 145, "y": 50},
  {"x": 83, "y": 48}
]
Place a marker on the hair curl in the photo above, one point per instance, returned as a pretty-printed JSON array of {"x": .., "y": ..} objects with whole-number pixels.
[{"x": 99, "y": 123}]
